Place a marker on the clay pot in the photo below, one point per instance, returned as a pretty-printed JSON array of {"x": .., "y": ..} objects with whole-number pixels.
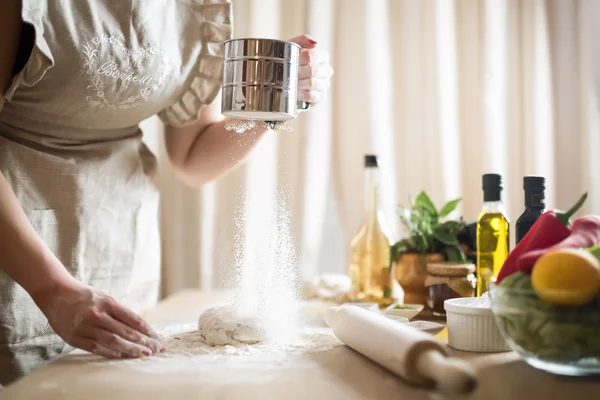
[{"x": 411, "y": 272}]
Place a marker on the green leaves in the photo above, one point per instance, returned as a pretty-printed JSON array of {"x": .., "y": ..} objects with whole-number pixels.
[
  {"x": 448, "y": 231},
  {"x": 454, "y": 227},
  {"x": 407, "y": 245},
  {"x": 426, "y": 233},
  {"x": 445, "y": 237},
  {"x": 454, "y": 253},
  {"x": 449, "y": 207},
  {"x": 518, "y": 280},
  {"x": 550, "y": 332},
  {"x": 423, "y": 202},
  {"x": 395, "y": 253}
]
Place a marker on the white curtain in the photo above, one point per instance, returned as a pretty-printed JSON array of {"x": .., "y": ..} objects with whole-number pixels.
[{"x": 442, "y": 90}]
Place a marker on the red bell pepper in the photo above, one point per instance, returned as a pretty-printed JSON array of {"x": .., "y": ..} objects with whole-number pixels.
[
  {"x": 551, "y": 228},
  {"x": 584, "y": 234}
]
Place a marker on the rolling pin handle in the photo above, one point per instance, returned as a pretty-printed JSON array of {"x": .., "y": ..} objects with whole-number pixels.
[
  {"x": 330, "y": 315},
  {"x": 450, "y": 375}
]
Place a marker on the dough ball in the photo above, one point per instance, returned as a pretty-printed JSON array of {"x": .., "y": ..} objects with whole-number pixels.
[{"x": 222, "y": 325}]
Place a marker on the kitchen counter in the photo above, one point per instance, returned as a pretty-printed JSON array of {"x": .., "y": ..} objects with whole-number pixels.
[{"x": 340, "y": 374}]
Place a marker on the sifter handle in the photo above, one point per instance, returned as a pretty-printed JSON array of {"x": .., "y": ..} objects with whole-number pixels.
[{"x": 302, "y": 106}]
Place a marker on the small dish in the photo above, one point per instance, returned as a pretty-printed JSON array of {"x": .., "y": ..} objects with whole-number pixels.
[
  {"x": 426, "y": 326},
  {"x": 396, "y": 318},
  {"x": 373, "y": 307},
  {"x": 471, "y": 326},
  {"x": 407, "y": 311}
]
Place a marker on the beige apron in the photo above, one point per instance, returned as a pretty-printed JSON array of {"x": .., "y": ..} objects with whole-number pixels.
[{"x": 71, "y": 149}]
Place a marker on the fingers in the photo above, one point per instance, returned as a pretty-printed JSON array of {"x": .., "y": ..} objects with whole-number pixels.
[
  {"x": 305, "y": 41},
  {"x": 313, "y": 57},
  {"x": 111, "y": 325},
  {"x": 323, "y": 71},
  {"x": 314, "y": 72},
  {"x": 311, "y": 96},
  {"x": 116, "y": 343},
  {"x": 313, "y": 81},
  {"x": 94, "y": 348},
  {"x": 313, "y": 84},
  {"x": 131, "y": 319}
]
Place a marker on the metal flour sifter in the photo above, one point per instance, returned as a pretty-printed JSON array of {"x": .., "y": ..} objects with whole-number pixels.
[{"x": 260, "y": 80}]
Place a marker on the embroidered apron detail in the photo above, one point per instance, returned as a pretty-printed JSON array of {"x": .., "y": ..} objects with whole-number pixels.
[
  {"x": 130, "y": 71},
  {"x": 72, "y": 151}
]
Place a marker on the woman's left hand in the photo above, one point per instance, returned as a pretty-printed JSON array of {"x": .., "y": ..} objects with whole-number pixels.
[{"x": 314, "y": 71}]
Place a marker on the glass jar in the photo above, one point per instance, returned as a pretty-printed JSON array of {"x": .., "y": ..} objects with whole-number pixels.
[{"x": 448, "y": 280}]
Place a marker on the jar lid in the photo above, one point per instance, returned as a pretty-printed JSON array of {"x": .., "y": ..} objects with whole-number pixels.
[{"x": 450, "y": 269}]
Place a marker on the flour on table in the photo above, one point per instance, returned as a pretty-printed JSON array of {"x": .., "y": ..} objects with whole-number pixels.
[
  {"x": 311, "y": 335},
  {"x": 223, "y": 325},
  {"x": 187, "y": 353},
  {"x": 191, "y": 343}
]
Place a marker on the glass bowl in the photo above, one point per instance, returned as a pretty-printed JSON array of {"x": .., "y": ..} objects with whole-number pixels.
[{"x": 559, "y": 340}]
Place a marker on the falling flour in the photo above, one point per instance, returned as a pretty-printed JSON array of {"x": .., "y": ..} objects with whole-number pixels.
[
  {"x": 241, "y": 126},
  {"x": 284, "y": 126},
  {"x": 265, "y": 317},
  {"x": 266, "y": 279}
]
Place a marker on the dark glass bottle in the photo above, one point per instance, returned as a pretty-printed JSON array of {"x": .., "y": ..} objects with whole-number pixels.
[{"x": 534, "y": 187}]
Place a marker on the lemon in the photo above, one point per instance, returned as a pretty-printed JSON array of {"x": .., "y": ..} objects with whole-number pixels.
[{"x": 566, "y": 277}]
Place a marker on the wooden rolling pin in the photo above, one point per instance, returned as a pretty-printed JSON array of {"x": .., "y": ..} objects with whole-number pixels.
[{"x": 404, "y": 350}]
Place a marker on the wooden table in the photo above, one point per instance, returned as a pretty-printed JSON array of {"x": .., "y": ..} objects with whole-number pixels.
[{"x": 337, "y": 374}]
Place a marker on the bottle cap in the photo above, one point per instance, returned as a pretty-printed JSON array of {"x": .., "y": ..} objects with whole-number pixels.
[
  {"x": 534, "y": 182},
  {"x": 371, "y": 161},
  {"x": 492, "y": 182},
  {"x": 534, "y": 191},
  {"x": 492, "y": 186}
]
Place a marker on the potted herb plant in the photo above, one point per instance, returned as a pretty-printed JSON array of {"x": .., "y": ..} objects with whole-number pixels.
[{"x": 431, "y": 238}]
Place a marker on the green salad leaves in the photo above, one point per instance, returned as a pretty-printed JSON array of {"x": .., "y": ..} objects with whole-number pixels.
[{"x": 544, "y": 330}]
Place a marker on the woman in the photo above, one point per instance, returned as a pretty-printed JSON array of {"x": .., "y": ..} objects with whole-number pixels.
[{"x": 79, "y": 241}]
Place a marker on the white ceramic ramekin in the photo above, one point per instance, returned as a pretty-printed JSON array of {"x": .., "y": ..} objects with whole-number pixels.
[{"x": 472, "y": 328}]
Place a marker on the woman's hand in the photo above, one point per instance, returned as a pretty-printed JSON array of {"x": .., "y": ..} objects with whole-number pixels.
[
  {"x": 314, "y": 71},
  {"x": 91, "y": 320}
]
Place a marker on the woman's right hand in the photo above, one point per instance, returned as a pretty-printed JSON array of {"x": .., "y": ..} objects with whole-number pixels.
[{"x": 91, "y": 320}]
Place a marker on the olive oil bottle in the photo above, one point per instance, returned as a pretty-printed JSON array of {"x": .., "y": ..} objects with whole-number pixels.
[
  {"x": 493, "y": 240},
  {"x": 370, "y": 270}
]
